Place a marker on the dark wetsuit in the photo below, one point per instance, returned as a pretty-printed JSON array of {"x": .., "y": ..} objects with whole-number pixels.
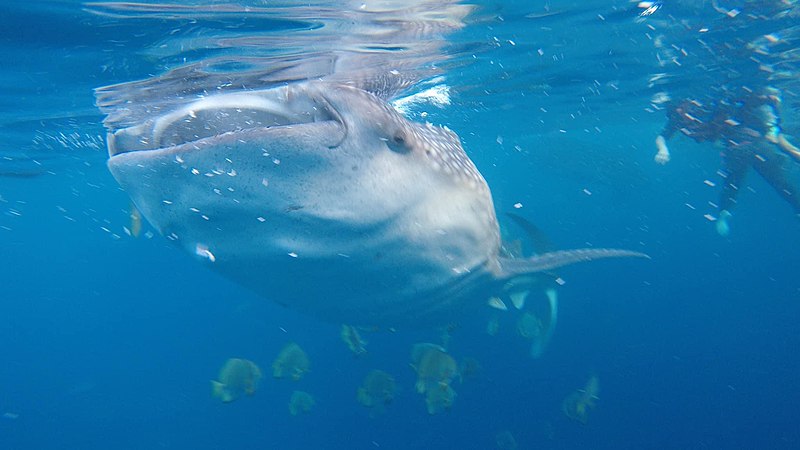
[{"x": 743, "y": 125}]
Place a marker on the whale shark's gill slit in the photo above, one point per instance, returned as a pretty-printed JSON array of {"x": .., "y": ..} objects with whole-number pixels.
[{"x": 324, "y": 108}]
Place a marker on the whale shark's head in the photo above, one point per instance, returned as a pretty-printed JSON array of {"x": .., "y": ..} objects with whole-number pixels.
[{"x": 330, "y": 175}]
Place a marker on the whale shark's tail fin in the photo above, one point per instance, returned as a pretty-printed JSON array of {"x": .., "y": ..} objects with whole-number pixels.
[{"x": 510, "y": 267}]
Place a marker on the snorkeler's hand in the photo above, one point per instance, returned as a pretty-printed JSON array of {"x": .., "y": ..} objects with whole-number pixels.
[{"x": 662, "y": 157}]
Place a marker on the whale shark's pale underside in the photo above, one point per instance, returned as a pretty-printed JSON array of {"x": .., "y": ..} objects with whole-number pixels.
[{"x": 320, "y": 196}]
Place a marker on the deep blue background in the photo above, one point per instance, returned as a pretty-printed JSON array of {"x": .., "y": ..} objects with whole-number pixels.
[{"x": 110, "y": 342}]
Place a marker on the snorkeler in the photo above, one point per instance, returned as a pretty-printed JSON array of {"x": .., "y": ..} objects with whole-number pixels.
[{"x": 748, "y": 124}]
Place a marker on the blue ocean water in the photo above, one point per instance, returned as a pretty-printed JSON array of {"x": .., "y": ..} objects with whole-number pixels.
[{"x": 107, "y": 340}]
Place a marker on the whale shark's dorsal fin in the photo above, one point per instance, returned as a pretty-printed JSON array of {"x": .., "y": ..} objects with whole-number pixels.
[
  {"x": 511, "y": 267},
  {"x": 541, "y": 243}
]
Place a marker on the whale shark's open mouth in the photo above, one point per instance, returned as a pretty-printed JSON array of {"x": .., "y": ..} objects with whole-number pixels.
[{"x": 223, "y": 114}]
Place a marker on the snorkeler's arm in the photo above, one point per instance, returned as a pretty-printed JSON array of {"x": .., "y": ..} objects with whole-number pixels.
[
  {"x": 788, "y": 148},
  {"x": 771, "y": 115}
]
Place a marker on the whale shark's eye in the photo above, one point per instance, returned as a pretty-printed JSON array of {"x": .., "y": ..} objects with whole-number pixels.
[{"x": 398, "y": 143}]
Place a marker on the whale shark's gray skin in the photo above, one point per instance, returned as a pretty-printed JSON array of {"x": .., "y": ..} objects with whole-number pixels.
[{"x": 323, "y": 198}]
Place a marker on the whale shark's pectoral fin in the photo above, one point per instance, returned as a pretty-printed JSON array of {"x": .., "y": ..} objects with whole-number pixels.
[{"x": 510, "y": 267}]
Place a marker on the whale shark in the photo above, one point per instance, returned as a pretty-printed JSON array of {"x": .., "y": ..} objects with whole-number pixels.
[{"x": 322, "y": 197}]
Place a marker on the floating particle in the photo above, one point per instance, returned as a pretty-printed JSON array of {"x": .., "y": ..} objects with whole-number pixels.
[{"x": 517, "y": 205}]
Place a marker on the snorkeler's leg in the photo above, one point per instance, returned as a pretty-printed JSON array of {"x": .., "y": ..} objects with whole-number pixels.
[
  {"x": 735, "y": 167},
  {"x": 772, "y": 167},
  {"x": 788, "y": 148}
]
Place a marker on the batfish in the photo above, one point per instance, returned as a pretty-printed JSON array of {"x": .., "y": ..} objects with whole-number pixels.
[{"x": 322, "y": 197}]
